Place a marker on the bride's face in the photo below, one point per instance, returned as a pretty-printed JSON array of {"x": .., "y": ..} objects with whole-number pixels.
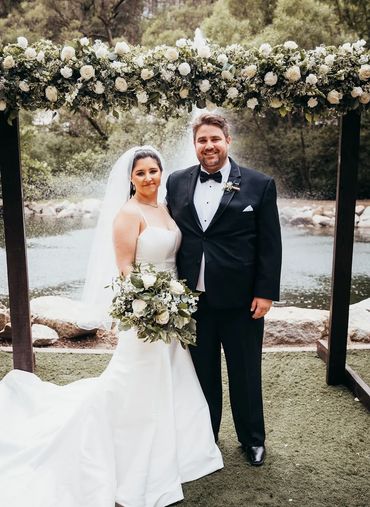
[{"x": 146, "y": 176}]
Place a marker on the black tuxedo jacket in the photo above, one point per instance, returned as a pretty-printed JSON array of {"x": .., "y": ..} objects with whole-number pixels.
[{"x": 242, "y": 248}]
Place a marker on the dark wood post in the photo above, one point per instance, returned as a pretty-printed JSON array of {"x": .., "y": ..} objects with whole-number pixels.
[
  {"x": 349, "y": 144},
  {"x": 15, "y": 242}
]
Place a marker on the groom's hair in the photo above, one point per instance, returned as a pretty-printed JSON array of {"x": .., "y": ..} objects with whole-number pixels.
[{"x": 211, "y": 119}]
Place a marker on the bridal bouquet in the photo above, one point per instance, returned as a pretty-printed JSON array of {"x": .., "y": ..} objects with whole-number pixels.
[{"x": 157, "y": 305}]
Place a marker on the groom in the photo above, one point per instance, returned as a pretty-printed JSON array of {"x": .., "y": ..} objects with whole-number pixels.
[{"x": 231, "y": 253}]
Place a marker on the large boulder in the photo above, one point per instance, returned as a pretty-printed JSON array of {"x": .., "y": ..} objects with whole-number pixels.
[
  {"x": 90, "y": 206},
  {"x": 359, "y": 321},
  {"x": 43, "y": 336},
  {"x": 63, "y": 315},
  {"x": 4, "y": 316},
  {"x": 295, "y": 326},
  {"x": 303, "y": 216}
]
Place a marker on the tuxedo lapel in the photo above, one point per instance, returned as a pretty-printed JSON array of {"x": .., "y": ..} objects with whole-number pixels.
[
  {"x": 192, "y": 181},
  {"x": 234, "y": 178}
]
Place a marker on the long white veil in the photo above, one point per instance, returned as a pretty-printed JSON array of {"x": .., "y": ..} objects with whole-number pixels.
[{"x": 101, "y": 268}]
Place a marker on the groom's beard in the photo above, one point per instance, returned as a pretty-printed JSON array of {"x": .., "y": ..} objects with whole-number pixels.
[{"x": 212, "y": 161}]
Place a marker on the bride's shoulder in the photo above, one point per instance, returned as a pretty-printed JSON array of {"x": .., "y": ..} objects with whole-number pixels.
[{"x": 129, "y": 211}]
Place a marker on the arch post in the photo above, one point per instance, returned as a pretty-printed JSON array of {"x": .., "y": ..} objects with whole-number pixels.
[{"x": 15, "y": 241}]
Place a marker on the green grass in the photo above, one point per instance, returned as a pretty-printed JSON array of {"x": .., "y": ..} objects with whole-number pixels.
[{"x": 318, "y": 439}]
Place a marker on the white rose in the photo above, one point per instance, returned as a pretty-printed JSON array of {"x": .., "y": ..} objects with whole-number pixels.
[
  {"x": 138, "y": 307},
  {"x": 275, "y": 103},
  {"x": 139, "y": 60},
  {"x": 357, "y": 91},
  {"x": 312, "y": 102},
  {"x": 181, "y": 43},
  {"x": 146, "y": 74},
  {"x": 180, "y": 321},
  {"x": 204, "y": 52},
  {"x": 101, "y": 51},
  {"x": 40, "y": 56},
  {"x": 249, "y": 71},
  {"x": 311, "y": 79},
  {"x": 84, "y": 41},
  {"x": 99, "y": 88},
  {"x": 171, "y": 54},
  {"x": 290, "y": 44},
  {"x": 347, "y": 47},
  {"x": 184, "y": 93},
  {"x": 293, "y": 73},
  {"x": 176, "y": 288},
  {"x": 204, "y": 85},
  {"x": 319, "y": 50},
  {"x": 232, "y": 92},
  {"x": 270, "y": 78},
  {"x": 120, "y": 84},
  {"x": 67, "y": 53},
  {"x": 329, "y": 60},
  {"x": 365, "y": 98},
  {"x": 8, "y": 62},
  {"x": 162, "y": 318},
  {"x": 334, "y": 97},
  {"x": 363, "y": 59},
  {"x": 252, "y": 103},
  {"x": 66, "y": 72},
  {"x": 2, "y": 105},
  {"x": 148, "y": 280},
  {"x": 222, "y": 59},
  {"x": 87, "y": 72},
  {"x": 226, "y": 74},
  {"x": 24, "y": 86},
  {"x": 265, "y": 49},
  {"x": 22, "y": 42},
  {"x": 30, "y": 53},
  {"x": 51, "y": 93},
  {"x": 364, "y": 72},
  {"x": 142, "y": 97},
  {"x": 184, "y": 68},
  {"x": 323, "y": 69},
  {"x": 359, "y": 44},
  {"x": 121, "y": 48}
]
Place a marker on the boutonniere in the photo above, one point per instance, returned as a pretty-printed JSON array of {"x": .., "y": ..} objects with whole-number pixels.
[{"x": 229, "y": 186}]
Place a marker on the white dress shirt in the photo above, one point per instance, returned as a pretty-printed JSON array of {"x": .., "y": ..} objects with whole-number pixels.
[{"x": 207, "y": 197}]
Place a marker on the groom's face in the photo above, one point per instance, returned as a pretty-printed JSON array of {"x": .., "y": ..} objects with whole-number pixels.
[{"x": 212, "y": 147}]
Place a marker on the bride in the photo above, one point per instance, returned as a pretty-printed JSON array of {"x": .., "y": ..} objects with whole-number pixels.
[{"x": 142, "y": 428}]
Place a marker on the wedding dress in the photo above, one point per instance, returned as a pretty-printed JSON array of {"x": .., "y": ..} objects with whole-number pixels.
[{"x": 130, "y": 436}]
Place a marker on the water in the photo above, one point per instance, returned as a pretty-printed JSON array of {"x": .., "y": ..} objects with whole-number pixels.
[{"x": 58, "y": 251}]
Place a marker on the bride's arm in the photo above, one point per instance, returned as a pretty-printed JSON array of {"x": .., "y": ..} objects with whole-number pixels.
[{"x": 126, "y": 229}]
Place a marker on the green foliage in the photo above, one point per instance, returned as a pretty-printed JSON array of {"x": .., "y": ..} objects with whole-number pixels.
[
  {"x": 354, "y": 14},
  {"x": 36, "y": 178},
  {"x": 224, "y": 28}
]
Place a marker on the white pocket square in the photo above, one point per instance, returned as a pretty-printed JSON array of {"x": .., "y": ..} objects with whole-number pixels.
[{"x": 248, "y": 208}]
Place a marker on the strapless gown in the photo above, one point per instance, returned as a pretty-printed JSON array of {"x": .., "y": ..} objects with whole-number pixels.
[{"x": 130, "y": 436}]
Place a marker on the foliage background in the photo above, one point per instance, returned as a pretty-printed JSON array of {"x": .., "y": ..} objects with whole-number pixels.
[{"x": 57, "y": 155}]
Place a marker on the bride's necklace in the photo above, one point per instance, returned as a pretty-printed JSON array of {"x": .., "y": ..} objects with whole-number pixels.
[{"x": 146, "y": 203}]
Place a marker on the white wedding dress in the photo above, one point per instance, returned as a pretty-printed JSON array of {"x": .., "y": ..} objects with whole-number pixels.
[{"x": 130, "y": 436}]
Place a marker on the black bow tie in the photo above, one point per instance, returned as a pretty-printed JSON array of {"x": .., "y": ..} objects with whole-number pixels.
[{"x": 213, "y": 176}]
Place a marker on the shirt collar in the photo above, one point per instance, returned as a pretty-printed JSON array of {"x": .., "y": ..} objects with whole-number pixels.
[{"x": 225, "y": 170}]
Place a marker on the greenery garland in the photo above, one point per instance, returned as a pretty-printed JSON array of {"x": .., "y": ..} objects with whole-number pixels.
[{"x": 325, "y": 81}]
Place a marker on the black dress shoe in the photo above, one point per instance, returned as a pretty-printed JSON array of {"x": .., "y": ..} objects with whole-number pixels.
[{"x": 255, "y": 454}]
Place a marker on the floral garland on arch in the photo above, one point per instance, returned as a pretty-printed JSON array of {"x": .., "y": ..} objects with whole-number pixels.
[{"x": 324, "y": 81}]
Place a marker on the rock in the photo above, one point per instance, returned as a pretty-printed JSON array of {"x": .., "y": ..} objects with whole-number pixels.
[
  {"x": 322, "y": 221},
  {"x": 359, "y": 321},
  {"x": 28, "y": 211},
  {"x": 91, "y": 206},
  {"x": 63, "y": 315},
  {"x": 70, "y": 211},
  {"x": 302, "y": 217},
  {"x": 6, "y": 333},
  {"x": 329, "y": 212},
  {"x": 48, "y": 211},
  {"x": 366, "y": 213},
  {"x": 43, "y": 336},
  {"x": 360, "y": 208},
  {"x": 4, "y": 316},
  {"x": 364, "y": 221},
  {"x": 364, "y": 304},
  {"x": 36, "y": 208},
  {"x": 61, "y": 206},
  {"x": 292, "y": 326}
]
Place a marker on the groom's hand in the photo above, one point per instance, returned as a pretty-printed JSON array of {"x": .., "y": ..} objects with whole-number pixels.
[{"x": 260, "y": 307}]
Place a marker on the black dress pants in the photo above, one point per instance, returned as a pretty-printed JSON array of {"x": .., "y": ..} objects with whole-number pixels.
[{"x": 241, "y": 338}]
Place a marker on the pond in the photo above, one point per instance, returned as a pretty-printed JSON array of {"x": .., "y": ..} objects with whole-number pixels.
[{"x": 58, "y": 251}]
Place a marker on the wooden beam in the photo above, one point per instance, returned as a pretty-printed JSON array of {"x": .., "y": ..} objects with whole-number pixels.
[
  {"x": 343, "y": 246},
  {"x": 15, "y": 244},
  {"x": 351, "y": 379}
]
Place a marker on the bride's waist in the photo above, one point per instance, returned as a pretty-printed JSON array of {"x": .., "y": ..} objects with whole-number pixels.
[{"x": 166, "y": 265}]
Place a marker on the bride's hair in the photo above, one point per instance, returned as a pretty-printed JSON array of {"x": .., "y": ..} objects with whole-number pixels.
[{"x": 140, "y": 154}]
